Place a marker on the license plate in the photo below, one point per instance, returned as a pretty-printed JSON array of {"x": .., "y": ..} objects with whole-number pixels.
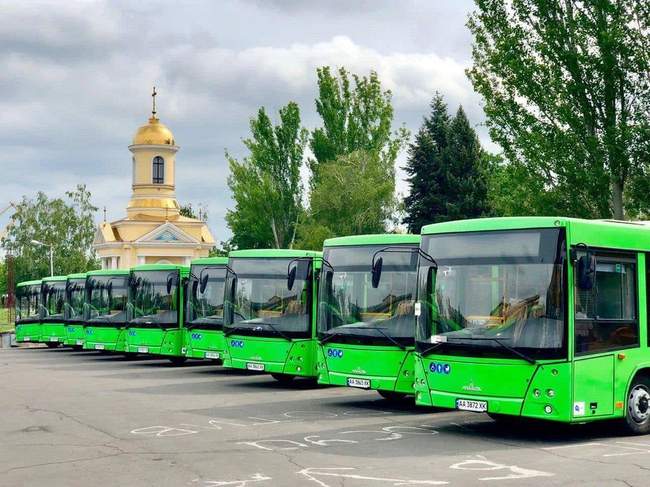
[
  {"x": 54, "y": 339},
  {"x": 99, "y": 346},
  {"x": 143, "y": 349},
  {"x": 361, "y": 383},
  {"x": 27, "y": 339},
  {"x": 254, "y": 366},
  {"x": 80, "y": 342},
  {"x": 469, "y": 405},
  {"x": 214, "y": 355}
]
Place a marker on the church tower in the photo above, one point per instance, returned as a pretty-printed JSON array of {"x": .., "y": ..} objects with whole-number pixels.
[{"x": 153, "y": 231}]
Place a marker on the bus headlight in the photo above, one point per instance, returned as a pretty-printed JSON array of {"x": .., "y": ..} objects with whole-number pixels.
[
  {"x": 548, "y": 409},
  {"x": 537, "y": 393},
  {"x": 550, "y": 392}
]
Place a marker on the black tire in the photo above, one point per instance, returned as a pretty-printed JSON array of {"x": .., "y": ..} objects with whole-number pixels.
[
  {"x": 130, "y": 355},
  {"x": 77, "y": 347},
  {"x": 52, "y": 344},
  {"x": 177, "y": 361},
  {"x": 392, "y": 395},
  {"x": 283, "y": 378},
  {"x": 637, "y": 413}
]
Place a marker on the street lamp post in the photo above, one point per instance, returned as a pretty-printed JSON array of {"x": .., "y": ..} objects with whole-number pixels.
[{"x": 37, "y": 242}]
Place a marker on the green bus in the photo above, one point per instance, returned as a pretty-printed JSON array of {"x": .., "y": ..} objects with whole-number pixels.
[
  {"x": 539, "y": 317},
  {"x": 73, "y": 313},
  {"x": 155, "y": 311},
  {"x": 52, "y": 307},
  {"x": 270, "y": 312},
  {"x": 105, "y": 310},
  {"x": 366, "y": 326},
  {"x": 28, "y": 318},
  {"x": 204, "y": 309}
]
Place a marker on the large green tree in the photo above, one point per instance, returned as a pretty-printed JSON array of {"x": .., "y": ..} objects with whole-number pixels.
[
  {"x": 567, "y": 96},
  {"x": 266, "y": 184},
  {"x": 65, "y": 223},
  {"x": 355, "y": 195},
  {"x": 445, "y": 170}
]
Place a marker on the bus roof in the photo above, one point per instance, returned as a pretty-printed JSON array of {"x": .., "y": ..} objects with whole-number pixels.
[
  {"x": 376, "y": 239},
  {"x": 80, "y": 275},
  {"x": 29, "y": 283},
  {"x": 627, "y": 235},
  {"x": 210, "y": 261},
  {"x": 108, "y": 272},
  {"x": 161, "y": 267},
  {"x": 55, "y": 278},
  {"x": 274, "y": 253}
]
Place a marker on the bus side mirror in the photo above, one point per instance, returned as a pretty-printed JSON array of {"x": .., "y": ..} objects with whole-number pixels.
[
  {"x": 204, "y": 282},
  {"x": 171, "y": 280},
  {"x": 376, "y": 272},
  {"x": 586, "y": 270},
  {"x": 291, "y": 277},
  {"x": 195, "y": 286},
  {"x": 299, "y": 270}
]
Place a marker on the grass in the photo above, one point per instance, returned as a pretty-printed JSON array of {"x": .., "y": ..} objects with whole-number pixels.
[{"x": 4, "y": 321}]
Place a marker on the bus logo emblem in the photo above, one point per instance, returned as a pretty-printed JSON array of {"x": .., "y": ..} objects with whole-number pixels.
[
  {"x": 196, "y": 336},
  {"x": 237, "y": 343},
  {"x": 131, "y": 333}
]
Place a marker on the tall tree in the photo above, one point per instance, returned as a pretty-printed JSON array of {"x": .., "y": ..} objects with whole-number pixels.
[
  {"x": 355, "y": 195},
  {"x": 567, "y": 96},
  {"x": 445, "y": 170},
  {"x": 66, "y": 224},
  {"x": 356, "y": 114},
  {"x": 266, "y": 185}
]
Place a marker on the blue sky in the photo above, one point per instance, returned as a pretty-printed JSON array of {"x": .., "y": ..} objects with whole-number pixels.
[{"x": 77, "y": 76}]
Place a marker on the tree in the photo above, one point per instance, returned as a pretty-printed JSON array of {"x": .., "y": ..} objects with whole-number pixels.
[
  {"x": 567, "y": 96},
  {"x": 188, "y": 211},
  {"x": 355, "y": 195},
  {"x": 445, "y": 170},
  {"x": 67, "y": 224},
  {"x": 266, "y": 185},
  {"x": 354, "y": 118}
]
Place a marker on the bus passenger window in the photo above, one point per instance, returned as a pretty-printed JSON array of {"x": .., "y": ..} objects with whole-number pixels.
[{"x": 606, "y": 316}]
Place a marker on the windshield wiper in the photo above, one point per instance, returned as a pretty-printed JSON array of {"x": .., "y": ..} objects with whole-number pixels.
[
  {"x": 498, "y": 341},
  {"x": 334, "y": 333},
  {"x": 229, "y": 330},
  {"x": 430, "y": 349}
]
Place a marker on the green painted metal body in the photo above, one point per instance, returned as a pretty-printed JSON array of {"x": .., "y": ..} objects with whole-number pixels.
[
  {"x": 53, "y": 300},
  {"x": 373, "y": 361},
  {"x": 203, "y": 336},
  {"x": 101, "y": 330},
  {"x": 147, "y": 336},
  {"x": 574, "y": 386},
  {"x": 74, "y": 323},
  {"x": 28, "y": 322},
  {"x": 273, "y": 354}
]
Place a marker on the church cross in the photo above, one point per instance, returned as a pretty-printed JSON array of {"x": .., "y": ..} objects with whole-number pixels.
[{"x": 153, "y": 101}]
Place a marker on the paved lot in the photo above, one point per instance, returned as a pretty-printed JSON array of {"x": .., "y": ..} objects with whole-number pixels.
[{"x": 83, "y": 418}]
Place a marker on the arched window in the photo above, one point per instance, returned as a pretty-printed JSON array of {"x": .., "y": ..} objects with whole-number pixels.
[{"x": 158, "y": 170}]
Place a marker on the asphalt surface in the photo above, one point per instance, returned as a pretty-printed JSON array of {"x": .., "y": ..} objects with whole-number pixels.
[{"x": 84, "y": 418}]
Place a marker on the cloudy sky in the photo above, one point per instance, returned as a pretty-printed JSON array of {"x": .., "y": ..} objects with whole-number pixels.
[{"x": 76, "y": 80}]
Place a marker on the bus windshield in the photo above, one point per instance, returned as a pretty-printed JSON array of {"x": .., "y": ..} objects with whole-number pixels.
[
  {"x": 106, "y": 297},
  {"x": 53, "y": 300},
  {"x": 150, "y": 301},
  {"x": 27, "y": 301},
  {"x": 263, "y": 303},
  {"x": 494, "y": 293},
  {"x": 351, "y": 309},
  {"x": 74, "y": 300},
  {"x": 205, "y": 309}
]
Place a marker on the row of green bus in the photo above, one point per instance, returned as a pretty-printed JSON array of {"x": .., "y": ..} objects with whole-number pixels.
[{"x": 535, "y": 317}]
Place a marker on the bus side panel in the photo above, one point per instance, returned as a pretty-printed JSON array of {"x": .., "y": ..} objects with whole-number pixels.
[{"x": 593, "y": 387}]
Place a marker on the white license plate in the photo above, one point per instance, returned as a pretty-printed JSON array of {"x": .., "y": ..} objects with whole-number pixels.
[
  {"x": 254, "y": 366},
  {"x": 469, "y": 405},
  {"x": 54, "y": 339},
  {"x": 99, "y": 346},
  {"x": 27, "y": 339},
  {"x": 143, "y": 349},
  {"x": 80, "y": 342},
  {"x": 361, "y": 383},
  {"x": 214, "y": 355}
]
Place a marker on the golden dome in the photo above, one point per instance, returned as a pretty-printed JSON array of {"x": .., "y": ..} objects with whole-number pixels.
[{"x": 154, "y": 133}]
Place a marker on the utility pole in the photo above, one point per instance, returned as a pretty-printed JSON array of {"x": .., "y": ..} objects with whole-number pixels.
[{"x": 37, "y": 242}]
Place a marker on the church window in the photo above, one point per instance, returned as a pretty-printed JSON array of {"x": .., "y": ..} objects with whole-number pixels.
[{"x": 158, "y": 170}]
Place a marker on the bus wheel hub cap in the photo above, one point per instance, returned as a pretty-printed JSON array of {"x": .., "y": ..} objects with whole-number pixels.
[{"x": 639, "y": 404}]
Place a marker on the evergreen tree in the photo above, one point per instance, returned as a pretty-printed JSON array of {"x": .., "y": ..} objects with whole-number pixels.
[{"x": 444, "y": 170}]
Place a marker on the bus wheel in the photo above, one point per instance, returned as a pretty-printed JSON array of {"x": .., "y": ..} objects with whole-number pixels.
[
  {"x": 392, "y": 395},
  {"x": 130, "y": 355},
  {"x": 283, "y": 378},
  {"x": 52, "y": 344},
  {"x": 637, "y": 416},
  {"x": 177, "y": 360}
]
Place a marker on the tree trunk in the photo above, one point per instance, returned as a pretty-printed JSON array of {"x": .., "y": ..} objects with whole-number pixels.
[
  {"x": 617, "y": 200},
  {"x": 275, "y": 234}
]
